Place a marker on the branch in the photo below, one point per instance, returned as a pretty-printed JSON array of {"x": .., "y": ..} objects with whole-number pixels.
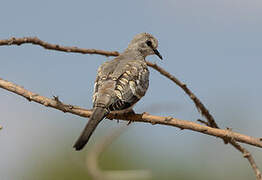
[
  {"x": 200, "y": 106},
  {"x": 36, "y": 41},
  {"x": 247, "y": 154},
  {"x": 98, "y": 174},
  {"x": 145, "y": 117}
]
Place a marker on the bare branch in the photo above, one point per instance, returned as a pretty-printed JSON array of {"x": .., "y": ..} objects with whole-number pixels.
[
  {"x": 98, "y": 174},
  {"x": 247, "y": 154},
  {"x": 145, "y": 117},
  {"x": 36, "y": 41},
  {"x": 199, "y": 105}
]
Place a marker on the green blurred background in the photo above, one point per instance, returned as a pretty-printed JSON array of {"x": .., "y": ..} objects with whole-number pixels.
[{"x": 213, "y": 46}]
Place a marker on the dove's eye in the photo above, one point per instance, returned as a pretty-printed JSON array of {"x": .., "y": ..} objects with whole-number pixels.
[{"x": 149, "y": 43}]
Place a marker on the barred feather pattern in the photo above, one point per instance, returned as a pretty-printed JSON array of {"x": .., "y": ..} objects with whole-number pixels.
[
  {"x": 120, "y": 83},
  {"x": 129, "y": 84}
]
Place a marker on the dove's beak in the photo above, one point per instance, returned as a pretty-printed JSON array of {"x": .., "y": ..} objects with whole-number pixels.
[{"x": 157, "y": 53}]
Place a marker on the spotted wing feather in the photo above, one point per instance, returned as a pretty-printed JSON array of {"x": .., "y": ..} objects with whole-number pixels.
[{"x": 131, "y": 83}]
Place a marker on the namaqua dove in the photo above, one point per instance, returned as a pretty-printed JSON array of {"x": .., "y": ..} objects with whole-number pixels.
[{"x": 120, "y": 83}]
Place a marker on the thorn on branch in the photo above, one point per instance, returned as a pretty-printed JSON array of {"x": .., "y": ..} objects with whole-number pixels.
[
  {"x": 46, "y": 104},
  {"x": 204, "y": 130},
  {"x": 29, "y": 98},
  {"x": 183, "y": 85},
  {"x": 229, "y": 129},
  {"x": 145, "y": 113},
  {"x": 169, "y": 118},
  {"x": 246, "y": 154},
  {"x": 192, "y": 96},
  {"x": 60, "y": 104},
  {"x": 153, "y": 122},
  {"x": 11, "y": 41},
  {"x": 129, "y": 122},
  {"x": 56, "y": 98},
  {"x": 203, "y": 122}
]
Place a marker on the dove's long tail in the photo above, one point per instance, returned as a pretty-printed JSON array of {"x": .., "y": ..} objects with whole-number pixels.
[{"x": 98, "y": 115}]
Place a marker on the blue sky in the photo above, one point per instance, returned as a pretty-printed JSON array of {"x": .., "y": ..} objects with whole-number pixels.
[{"x": 212, "y": 46}]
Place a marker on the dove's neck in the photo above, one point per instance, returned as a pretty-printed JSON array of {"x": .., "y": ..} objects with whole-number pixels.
[{"x": 133, "y": 54}]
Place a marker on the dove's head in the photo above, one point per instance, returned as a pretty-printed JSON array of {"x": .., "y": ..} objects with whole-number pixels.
[{"x": 146, "y": 44}]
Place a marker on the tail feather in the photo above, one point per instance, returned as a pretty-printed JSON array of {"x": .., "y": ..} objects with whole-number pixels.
[{"x": 96, "y": 117}]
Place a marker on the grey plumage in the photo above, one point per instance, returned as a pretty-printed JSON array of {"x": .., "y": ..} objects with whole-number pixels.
[{"x": 120, "y": 83}]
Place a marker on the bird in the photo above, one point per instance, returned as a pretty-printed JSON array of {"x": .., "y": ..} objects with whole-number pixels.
[{"x": 120, "y": 83}]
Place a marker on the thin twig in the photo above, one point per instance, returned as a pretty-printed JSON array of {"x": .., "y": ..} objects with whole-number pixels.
[
  {"x": 36, "y": 41},
  {"x": 98, "y": 174},
  {"x": 247, "y": 154},
  {"x": 199, "y": 105}
]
